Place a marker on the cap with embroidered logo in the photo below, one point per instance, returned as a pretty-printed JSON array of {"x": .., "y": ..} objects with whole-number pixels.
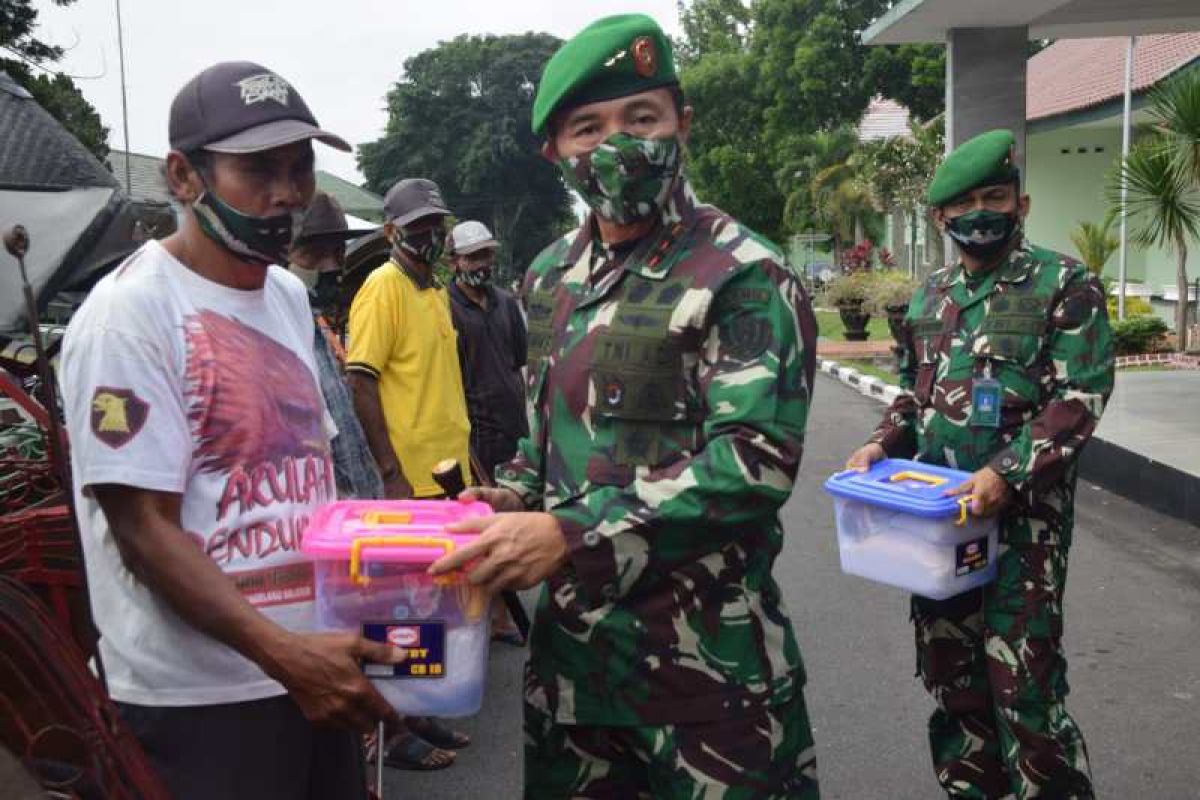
[
  {"x": 242, "y": 107},
  {"x": 613, "y": 57}
]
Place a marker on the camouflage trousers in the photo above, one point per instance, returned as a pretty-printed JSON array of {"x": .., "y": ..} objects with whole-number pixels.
[
  {"x": 764, "y": 756},
  {"x": 993, "y": 660}
]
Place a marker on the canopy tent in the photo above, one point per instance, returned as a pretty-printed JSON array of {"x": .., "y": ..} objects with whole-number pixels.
[{"x": 80, "y": 223}]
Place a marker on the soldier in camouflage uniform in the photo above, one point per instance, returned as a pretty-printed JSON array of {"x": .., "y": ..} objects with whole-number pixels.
[
  {"x": 671, "y": 361},
  {"x": 1008, "y": 362}
]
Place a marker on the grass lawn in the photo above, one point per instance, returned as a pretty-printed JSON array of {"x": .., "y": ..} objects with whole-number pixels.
[
  {"x": 830, "y": 326},
  {"x": 872, "y": 369}
]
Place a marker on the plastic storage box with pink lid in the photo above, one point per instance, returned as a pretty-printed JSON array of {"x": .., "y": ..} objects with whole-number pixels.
[{"x": 370, "y": 560}]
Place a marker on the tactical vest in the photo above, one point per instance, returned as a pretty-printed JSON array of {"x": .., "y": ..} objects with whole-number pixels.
[{"x": 640, "y": 375}]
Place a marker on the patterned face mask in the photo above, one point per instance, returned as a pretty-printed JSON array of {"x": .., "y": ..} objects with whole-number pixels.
[
  {"x": 982, "y": 233},
  {"x": 625, "y": 179},
  {"x": 262, "y": 239},
  {"x": 475, "y": 278},
  {"x": 425, "y": 247}
]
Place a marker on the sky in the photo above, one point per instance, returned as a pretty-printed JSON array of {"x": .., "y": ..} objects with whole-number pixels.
[{"x": 341, "y": 56}]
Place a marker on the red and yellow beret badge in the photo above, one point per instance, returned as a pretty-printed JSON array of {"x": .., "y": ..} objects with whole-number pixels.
[{"x": 645, "y": 57}]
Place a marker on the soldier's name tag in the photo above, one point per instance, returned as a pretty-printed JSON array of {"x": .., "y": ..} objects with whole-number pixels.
[{"x": 985, "y": 403}]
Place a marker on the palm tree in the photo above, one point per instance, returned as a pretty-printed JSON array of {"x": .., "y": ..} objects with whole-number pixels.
[
  {"x": 843, "y": 200},
  {"x": 1163, "y": 208},
  {"x": 1175, "y": 112},
  {"x": 1163, "y": 178},
  {"x": 803, "y": 158},
  {"x": 1096, "y": 243}
]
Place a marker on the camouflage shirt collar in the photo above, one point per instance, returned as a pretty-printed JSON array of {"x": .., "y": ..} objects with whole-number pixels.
[
  {"x": 648, "y": 258},
  {"x": 1015, "y": 268}
]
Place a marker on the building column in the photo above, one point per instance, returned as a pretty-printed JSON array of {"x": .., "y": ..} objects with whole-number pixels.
[{"x": 985, "y": 84}]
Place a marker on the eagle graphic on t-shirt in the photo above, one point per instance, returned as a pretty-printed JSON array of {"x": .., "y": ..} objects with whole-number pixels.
[{"x": 250, "y": 399}]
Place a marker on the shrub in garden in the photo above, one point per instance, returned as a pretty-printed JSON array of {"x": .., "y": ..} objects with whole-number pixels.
[{"x": 1136, "y": 335}]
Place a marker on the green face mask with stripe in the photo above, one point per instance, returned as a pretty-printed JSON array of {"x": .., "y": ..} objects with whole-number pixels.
[{"x": 625, "y": 179}]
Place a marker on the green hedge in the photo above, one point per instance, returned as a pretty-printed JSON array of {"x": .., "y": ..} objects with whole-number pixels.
[{"x": 1137, "y": 335}]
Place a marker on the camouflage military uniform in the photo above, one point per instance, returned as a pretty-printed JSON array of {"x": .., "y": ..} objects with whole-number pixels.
[
  {"x": 992, "y": 658},
  {"x": 669, "y": 391}
]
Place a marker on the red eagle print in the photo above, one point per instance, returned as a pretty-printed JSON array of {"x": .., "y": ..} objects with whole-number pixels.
[{"x": 250, "y": 399}]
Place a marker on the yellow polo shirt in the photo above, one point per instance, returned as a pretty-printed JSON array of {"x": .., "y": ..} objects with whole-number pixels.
[{"x": 402, "y": 333}]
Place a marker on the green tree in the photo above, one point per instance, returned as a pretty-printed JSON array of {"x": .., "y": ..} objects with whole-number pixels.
[
  {"x": 730, "y": 163},
  {"x": 1162, "y": 175},
  {"x": 459, "y": 115},
  {"x": 912, "y": 74},
  {"x": 25, "y": 61},
  {"x": 764, "y": 76},
  {"x": 711, "y": 26}
]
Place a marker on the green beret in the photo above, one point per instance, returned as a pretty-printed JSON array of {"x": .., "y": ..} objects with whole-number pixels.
[
  {"x": 982, "y": 161},
  {"x": 613, "y": 57}
]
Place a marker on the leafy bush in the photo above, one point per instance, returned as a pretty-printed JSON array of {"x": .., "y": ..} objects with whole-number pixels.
[
  {"x": 888, "y": 287},
  {"x": 1136, "y": 335},
  {"x": 854, "y": 287},
  {"x": 1134, "y": 307}
]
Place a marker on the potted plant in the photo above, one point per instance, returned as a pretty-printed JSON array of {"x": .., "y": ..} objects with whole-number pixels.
[
  {"x": 848, "y": 292},
  {"x": 889, "y": 293}
]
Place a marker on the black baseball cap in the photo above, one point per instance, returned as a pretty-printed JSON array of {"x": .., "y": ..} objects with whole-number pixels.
[
  {"x": 413, "y": 198},
  {"x": 242, "y": 107}
]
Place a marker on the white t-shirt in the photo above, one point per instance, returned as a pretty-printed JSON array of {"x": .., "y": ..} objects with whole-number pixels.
[{"x": 177, "y": 384}]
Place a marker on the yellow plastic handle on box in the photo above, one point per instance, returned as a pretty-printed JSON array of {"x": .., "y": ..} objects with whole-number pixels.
[
  {"x": 920, "y": 477},
  {"x": 375, "y": 519},
  {"x": 358, "y": 579},
  {"x": 964, "y": 504}
]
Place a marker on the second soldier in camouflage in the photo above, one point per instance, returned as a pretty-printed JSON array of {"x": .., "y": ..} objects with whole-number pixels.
[
  {"x": 671, "y": 358},
  {"x": 1007, "y": 364}
]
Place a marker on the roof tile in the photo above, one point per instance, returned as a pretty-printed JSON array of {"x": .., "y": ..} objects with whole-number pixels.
[{"x": 1076, "y": 74}]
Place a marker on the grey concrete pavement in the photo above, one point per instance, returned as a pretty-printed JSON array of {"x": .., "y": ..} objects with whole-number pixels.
[
  {"x": 1154, "y": 413},
  {"x": 1133, "y": 637}
]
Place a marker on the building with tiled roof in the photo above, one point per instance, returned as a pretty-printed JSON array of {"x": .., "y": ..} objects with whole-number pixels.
[
  {"x": 1073, "y": 75},
  {"x": 1075, "y": 100},
  {"x": 884, "y": 119},
  {"x": 147, "y": 184}
]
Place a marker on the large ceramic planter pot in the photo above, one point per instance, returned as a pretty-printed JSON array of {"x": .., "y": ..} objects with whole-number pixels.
[{"x": 854, "y": 320}]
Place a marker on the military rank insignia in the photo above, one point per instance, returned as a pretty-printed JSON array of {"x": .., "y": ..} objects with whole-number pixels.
[{"x": 645, "y": 57}]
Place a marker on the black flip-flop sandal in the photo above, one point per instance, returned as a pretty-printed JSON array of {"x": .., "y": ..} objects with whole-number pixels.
[
  {"x": 436, "y": 733},
  {"x": 409, "y": 751}
]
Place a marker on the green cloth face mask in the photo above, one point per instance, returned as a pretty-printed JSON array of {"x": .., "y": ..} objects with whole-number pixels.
[
  {"x": 262, "y": 239},
  {"x": 625, "y": 179},
  {"x": 983, "y": 233}
]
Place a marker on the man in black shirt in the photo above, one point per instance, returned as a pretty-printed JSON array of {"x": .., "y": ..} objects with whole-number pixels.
[{"x": 491, "y": 348}]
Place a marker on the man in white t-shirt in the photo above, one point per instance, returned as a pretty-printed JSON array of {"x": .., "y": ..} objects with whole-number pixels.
[{"x": 200, "y": 448}]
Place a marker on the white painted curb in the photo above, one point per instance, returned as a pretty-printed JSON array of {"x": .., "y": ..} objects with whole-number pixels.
[{"x": 867, "y": 385}]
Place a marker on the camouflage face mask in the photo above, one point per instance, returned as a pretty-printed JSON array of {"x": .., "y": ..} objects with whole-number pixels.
[
  {"x": 625, "y": 179},
  {"x": 983, "y": 233},
  {"x": 262, "y": 239}
]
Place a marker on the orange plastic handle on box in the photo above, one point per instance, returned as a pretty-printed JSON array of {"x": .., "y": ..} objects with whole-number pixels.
[
  {"x": 358, "y": 579},
  {"x": 920, "y": 477},
  {"x": 376, "y": 519}
]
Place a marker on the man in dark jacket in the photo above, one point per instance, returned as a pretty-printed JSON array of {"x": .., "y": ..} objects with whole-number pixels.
[{"x": 491, "y": 348}]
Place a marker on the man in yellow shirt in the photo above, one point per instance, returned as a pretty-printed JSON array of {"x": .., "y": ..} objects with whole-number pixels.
[{"x": 403, "y": 358}]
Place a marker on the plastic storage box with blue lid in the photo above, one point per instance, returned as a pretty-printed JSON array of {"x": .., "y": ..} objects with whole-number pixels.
[{"x": 896, "y": 525}]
